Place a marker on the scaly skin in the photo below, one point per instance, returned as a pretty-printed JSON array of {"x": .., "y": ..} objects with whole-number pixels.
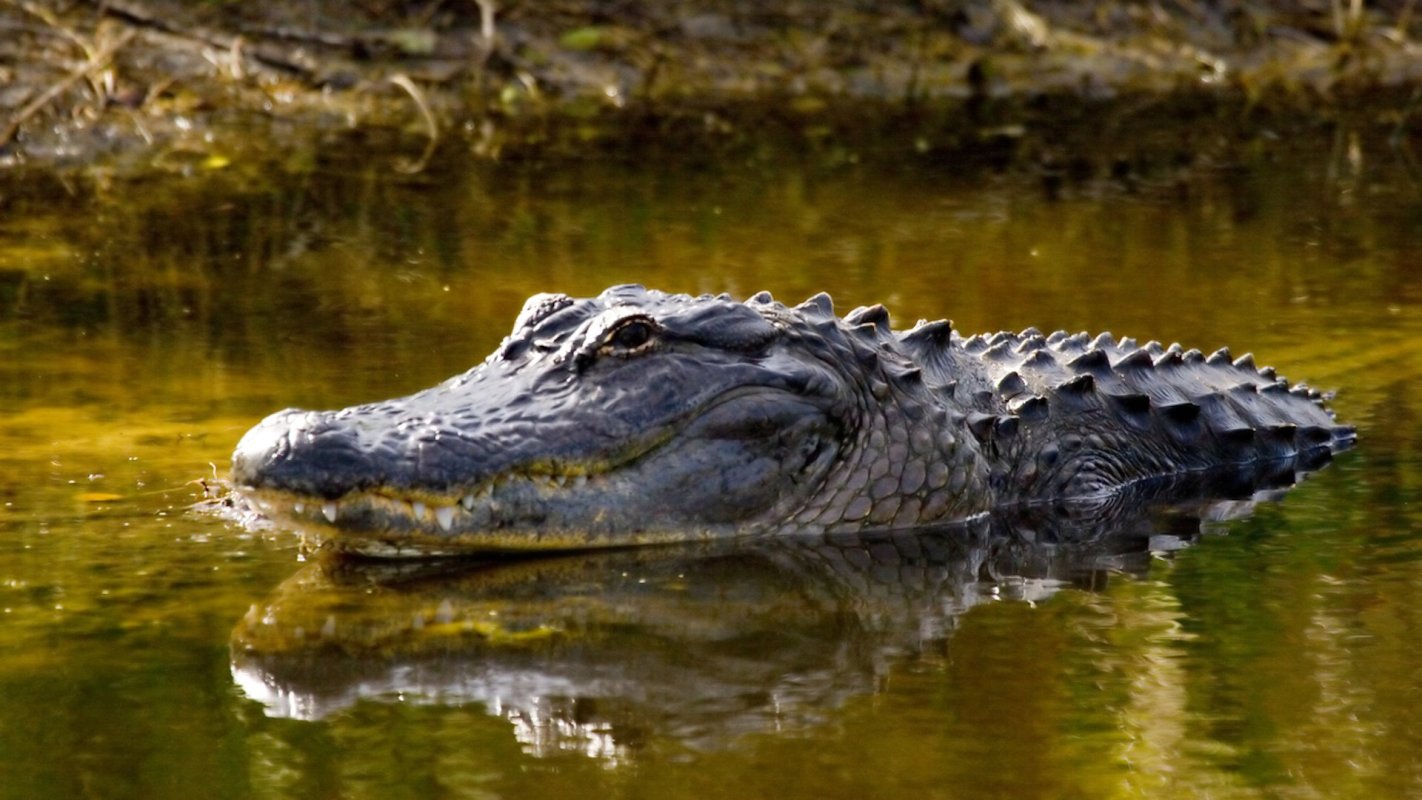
[{"x": 638, "y": 416}]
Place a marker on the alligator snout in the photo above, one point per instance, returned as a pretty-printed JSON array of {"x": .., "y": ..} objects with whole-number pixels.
[{"x": 306, "y": 452}]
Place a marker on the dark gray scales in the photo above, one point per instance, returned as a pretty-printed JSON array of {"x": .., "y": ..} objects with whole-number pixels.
[{"x": 640, "y": 416}]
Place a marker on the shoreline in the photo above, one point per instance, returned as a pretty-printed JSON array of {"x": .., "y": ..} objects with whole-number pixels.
[{"x": 131, "y": 87}]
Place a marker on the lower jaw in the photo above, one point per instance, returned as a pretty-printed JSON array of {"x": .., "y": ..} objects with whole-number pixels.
[
  {"x": 503, "y": 542},
  {"x": 379, "y": 526}
]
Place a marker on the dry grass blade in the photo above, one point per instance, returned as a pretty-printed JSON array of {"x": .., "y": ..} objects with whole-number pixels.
[
  {"x": 98, "y": 60},
  {"x": 431, "y": 124}
]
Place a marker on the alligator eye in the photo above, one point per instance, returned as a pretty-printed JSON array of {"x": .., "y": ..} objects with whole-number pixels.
[{"x": 632, "y": 335}]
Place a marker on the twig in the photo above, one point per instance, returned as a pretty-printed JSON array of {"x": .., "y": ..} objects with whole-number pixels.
[
  {"x": 487, "y": 9},
  {"x": 1348, "y": 24},
  {"x": 86, "y": 47},
  {"x": 98, "y": 60},
  {"x": 48, "y": 18},
  {"x": 134, "y": 14},
  {"x": 1404, "y": 20},
  {"x": 431, "y": 124}
]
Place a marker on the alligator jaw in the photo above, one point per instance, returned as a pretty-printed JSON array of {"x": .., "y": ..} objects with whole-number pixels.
[
  {"x": 388, "y": 524},
  {"x": 520, "y": 510}
]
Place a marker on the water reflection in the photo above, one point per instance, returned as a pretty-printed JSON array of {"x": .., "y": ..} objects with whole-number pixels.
[{"x": 594, "y": 653}]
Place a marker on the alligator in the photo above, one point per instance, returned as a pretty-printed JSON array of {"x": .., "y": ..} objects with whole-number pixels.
[{"x": 639, "y": 416}]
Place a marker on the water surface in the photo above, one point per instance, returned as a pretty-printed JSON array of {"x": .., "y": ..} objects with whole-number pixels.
[{"x": 144, "y": 325}]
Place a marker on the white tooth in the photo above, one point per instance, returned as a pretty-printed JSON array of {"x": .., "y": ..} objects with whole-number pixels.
[
  {"x": 580, "y": 481},
  {"x": 445, "y": 516},
  {"x": 299, "y": 508},
  {"x": 419, "y": 509},
  {"x": 561, "y": 480},
  {"x": 468, "y": 502},
  {"x": 328, "y": 510}
]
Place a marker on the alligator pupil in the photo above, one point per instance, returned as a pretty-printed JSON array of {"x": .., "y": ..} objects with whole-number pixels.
[{"x": 632, "y": 335}]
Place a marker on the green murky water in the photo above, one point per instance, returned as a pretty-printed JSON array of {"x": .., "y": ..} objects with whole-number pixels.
[{"x": 144, "y": 325}]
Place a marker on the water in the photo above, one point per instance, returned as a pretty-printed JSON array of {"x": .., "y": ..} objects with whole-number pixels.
[{"x": 146, "y": 323}]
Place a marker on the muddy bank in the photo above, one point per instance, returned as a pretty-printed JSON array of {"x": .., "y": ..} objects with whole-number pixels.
[{"x": 137, "y": 85}]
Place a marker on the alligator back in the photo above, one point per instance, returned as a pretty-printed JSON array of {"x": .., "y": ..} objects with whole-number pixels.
[{"x": 1071, "y": 415}]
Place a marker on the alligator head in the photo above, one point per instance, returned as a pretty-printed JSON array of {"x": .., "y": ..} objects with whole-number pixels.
[{"x": 631, "y": 417}]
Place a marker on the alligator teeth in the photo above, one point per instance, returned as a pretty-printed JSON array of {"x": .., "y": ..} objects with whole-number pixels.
[
  {"x": 419, "y": 510},
  {"x": 328, "y": 510},
  {"x": 467, "y": 501},
  {"x": 444, "y": 515},
  {"x": 561, "y": 481},
  {"x": 299, "y": 508},
  {"x": 580, "y": 481}
]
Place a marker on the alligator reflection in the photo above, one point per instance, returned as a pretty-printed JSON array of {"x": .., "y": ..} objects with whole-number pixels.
[{"x": 595, "y": 652}]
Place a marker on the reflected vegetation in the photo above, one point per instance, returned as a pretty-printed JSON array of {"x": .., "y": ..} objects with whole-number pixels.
[{"x": 144, "y": 325}]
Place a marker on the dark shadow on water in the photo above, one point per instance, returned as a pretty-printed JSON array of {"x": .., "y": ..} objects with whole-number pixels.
[{"x": 597, "y": 652}]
